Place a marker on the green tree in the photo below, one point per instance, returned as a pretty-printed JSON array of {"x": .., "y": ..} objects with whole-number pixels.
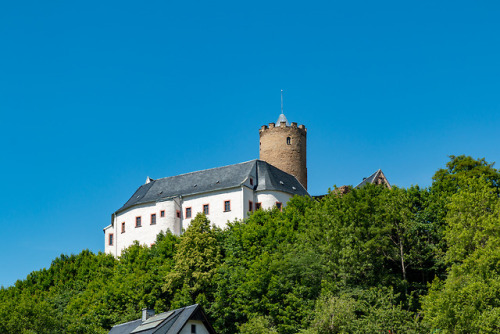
[
  {"x": 196, "y": 260},
  {"x": 448, "y": 179},
  {"x": 375, "y": 310},
  {"x": 468, "y": 300},
  {"x": 258, "y": 325}
]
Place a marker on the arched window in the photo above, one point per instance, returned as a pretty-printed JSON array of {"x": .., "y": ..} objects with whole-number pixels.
[{"x": 288, "y": 140}]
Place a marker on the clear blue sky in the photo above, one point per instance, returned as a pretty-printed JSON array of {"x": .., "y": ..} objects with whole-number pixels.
[{"x": 97, "y": 95}]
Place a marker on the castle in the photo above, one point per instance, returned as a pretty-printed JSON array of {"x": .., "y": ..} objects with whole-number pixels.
[{"x": 223, "y": 193}]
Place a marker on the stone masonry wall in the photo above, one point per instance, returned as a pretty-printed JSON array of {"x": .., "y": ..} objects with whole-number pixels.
[{"x": 287, "y": 156}]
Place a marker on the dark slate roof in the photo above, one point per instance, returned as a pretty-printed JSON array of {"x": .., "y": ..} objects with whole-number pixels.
[
  {"x": 268, "y": 178},
  {"x": 272, "y": 178},
  {"x": 125, "y": 328},
  {"x": 170, "y": 322}
]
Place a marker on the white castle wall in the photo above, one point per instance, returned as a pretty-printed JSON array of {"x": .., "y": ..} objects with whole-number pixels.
[
  {"x": 215, "y": 200},
  {"x": 269, "y": 198},
  {"x": 146, "y": 234}
]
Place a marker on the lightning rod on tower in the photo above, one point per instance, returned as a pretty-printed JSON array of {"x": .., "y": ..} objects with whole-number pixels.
[{"x": 282, "y": 101}]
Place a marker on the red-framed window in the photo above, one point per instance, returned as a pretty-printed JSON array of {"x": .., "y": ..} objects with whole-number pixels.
[
  {"x": 227, "y": 206},
  {"x": 188, "y": 212},
  {"x": 162, "y": 213},
  {"x": 251, "y": 181},
  {"x": 123, "y": 227},
  {"x": 153, "y": 219},
  {"x": 206, "y": 209},
  {"x": 138, "y": 221},
  {"x": 250, "y": 206},
  {"x": 279, "y": 205},
  {"x": 110, "y": 239},
  {"x": 258, "y": 205},
  {"x": 178, "y": 214}
]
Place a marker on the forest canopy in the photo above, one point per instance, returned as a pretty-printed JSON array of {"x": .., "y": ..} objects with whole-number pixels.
[{"x": 372, "y": 260}]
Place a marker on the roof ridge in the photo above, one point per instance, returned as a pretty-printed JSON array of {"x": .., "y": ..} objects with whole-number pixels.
[
  {"x": 204, "y": 170},
  {"x": 128, "y": 322}
]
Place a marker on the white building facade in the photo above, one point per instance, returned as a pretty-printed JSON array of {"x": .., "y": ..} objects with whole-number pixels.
[{"x": 223, "y": 194}]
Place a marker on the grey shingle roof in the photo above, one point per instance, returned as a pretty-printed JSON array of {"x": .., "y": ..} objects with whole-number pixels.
[
  {"x": 268, "y": 178},
  {"x": 170, "y": 322}
]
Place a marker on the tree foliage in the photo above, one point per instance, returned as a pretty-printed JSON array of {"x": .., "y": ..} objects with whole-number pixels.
[
  {"x": 196, "y": 259},
  {"x": 370, "y": 260}
]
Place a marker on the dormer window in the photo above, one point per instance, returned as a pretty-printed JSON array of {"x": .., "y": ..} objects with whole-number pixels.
[{"x": 288, "y": 140}]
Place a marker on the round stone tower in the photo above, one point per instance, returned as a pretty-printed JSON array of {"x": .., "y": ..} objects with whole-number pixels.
[{"x": 283, "y": 145}]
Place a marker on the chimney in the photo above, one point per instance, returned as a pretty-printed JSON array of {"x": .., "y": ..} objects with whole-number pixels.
[{"x": 147, "y": 313}]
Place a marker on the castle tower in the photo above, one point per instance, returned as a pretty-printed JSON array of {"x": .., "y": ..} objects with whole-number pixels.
[{"x": 283, "y": 145}]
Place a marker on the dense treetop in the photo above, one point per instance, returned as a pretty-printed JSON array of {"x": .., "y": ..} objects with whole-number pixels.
[{"x": 371, "y": 260}]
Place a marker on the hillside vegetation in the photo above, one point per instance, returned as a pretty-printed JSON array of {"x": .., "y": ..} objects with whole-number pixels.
[{"x": 371, "y": 261}]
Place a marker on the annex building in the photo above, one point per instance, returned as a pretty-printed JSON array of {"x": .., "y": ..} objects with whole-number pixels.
[{"x": 223, "y": 193}]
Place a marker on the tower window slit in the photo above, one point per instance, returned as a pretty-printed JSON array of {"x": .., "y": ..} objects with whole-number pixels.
[{"x": 288, "y": 140}]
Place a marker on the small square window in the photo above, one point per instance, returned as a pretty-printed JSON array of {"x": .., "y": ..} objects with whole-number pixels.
[
  {"x": 178, "y": 214},
  {"x": 206, "y": 209},
  {"x": 138, "y": 221},
  {"x": 188, "y": 212},
  {"x": 250, "y": 206},
  {"x": 123, "y": 227},
  {"x": 110, "y": 239},
  {"x": 227, "y": 206},
  {"x": 258, "y": 205},
  {"x": 162, "y": 213},
  {"x": 279, "y": 205},
  {"x": 153, "y": 219}
]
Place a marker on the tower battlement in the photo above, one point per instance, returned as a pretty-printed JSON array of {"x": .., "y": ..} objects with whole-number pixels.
[{"x": 281, "y": 125}]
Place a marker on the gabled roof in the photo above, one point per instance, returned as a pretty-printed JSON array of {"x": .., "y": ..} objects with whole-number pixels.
[
  {"x": 376, "y": 178},
  {"x": 170, "y": 322},
  {"x": 220, "y": 178}
]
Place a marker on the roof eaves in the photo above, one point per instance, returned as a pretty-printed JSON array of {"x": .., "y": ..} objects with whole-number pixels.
[{"x": 210, "y": 191}]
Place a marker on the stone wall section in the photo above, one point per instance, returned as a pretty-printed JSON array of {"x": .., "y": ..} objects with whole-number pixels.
[{"x": 285, "y": 148}]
